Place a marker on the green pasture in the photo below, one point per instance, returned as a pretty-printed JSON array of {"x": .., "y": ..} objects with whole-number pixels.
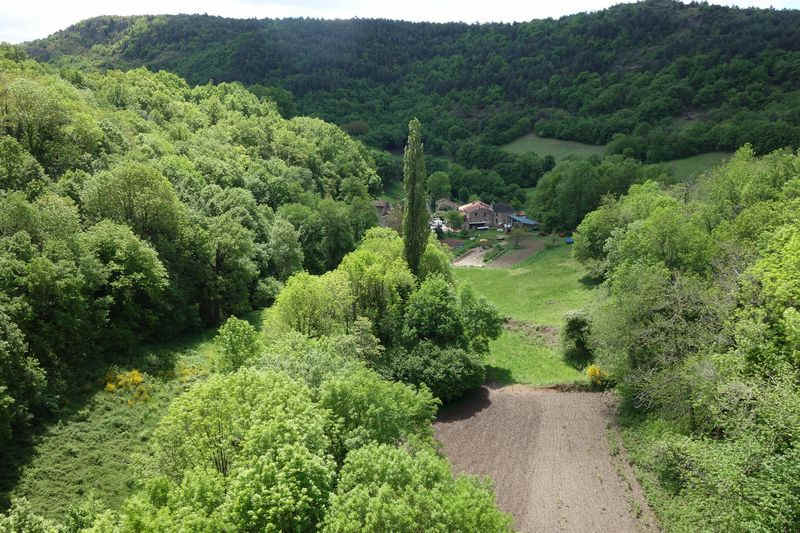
[{"x": 535, "y": 292}]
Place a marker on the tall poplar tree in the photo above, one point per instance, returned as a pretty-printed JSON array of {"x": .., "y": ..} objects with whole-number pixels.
[{"x": 415, "y": 220}]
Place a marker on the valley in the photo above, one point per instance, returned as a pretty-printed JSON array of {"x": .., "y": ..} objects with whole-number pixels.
[{"x": 364, "y": 274}]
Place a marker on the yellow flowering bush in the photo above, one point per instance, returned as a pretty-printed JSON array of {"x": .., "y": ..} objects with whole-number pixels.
[
  {"x": 132, "y": 382},
  {"x": 597, "y": 376}
]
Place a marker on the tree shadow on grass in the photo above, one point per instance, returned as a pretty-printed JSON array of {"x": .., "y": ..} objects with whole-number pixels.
[
  {"x": 468, "y": 406},
  {"x": 497, "y": 377},
  {"x": 590, "y": 281}
]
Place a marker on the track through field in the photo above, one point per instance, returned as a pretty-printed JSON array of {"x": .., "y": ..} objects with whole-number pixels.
[{"x": 548, "y": 455}]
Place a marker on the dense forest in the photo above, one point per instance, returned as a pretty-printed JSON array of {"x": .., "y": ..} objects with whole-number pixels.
[
  {"x": 134, "y": 208},
  {"x": 698, "y": 327},
  {"x": 656, "y": 80}
]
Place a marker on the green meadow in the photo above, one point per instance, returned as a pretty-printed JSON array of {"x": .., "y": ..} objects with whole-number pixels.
[
  {"x": 535, "y": 294},
  {"x": 555, "y": 147}
]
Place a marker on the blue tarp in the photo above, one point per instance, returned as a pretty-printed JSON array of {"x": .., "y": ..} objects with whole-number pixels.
[
  {"x": 569, "y": 240},
  {"x": 523, "y": 220}
]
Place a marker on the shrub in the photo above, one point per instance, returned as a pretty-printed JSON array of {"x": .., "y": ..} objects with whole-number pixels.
[
  {"x": 266, "y": 292},
  {"x": 382, "y": 488},
  {"x": 285, "y": 489},
  {"x": 575, "y": 338},
  {"x": 238, "y": 344},
  {"x": 433, "y": 314},
  {"x": 371, "y": 409},
  {"x": 21, "y": 519},
  {"x": 311, "y": 361},
  {"x": 317, "y": 305},
  {"x": 223, "y": 422},
  {"x": 447, "y": 372},
  {"x": 597, "y": 377}
]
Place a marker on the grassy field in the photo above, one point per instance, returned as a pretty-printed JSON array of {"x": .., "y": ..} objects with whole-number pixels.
[
  {"x": 681, "y": 168},
  {"x": 555, "y": 147},
  {"x": 95, "y": 448},
  {"x": 692, "y": 166},
  {"x": 537, "y": 292}
]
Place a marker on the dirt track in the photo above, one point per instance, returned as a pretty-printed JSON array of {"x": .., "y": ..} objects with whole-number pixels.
[
  {"x": 548, "y": 455},
  {"x": 473, "y": 258}
]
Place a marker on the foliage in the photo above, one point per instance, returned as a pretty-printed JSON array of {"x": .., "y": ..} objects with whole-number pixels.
[
  {"x": 448, "y": 372},
  {"x": 135, "y": 207},
  {"x": 656, "y": 80},
  {"x": 575, "y": 187},
  {"x": 454, "y": 219},
  {"x": 223, "y": 422},
  {"x": 370, "y": 409},
  {"x": 22, "y": 381},
  {"x": 698, "y": 328},
  {"x": 598, "y": 377},
  {"x": 388, "y": 489},
  {"x": 239, "y": 345},
  {"x": 433, "y": 314},
  {"x": 575, "y": 339},
  {"x": 285, "y": 253},
  {"x": 415, "y": 216},
  {"x": 317, "y": 305},
  {"x": 22, "y": 519}
]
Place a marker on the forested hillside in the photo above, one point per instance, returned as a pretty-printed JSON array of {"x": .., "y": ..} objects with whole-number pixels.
[
  {"x": 657, "y": 80},
  {"x": 134, "y": 207},
  {"x": 698, "y": 326}
]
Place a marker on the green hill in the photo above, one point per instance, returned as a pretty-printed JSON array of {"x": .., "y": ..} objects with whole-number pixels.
[{"x": 631, "y": 76}]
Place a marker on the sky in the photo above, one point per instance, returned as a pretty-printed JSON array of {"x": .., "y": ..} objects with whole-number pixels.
[{"x": 34, "y": 19}]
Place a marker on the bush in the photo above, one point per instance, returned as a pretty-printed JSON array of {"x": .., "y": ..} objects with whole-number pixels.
[
  {"x": 21, "y": 519},
  {"x": 266, "y": 292},
  {"x": 239, "y": 343},
  {"x": 575, "y": 338},
  {"x": 311, "y": 361},
  {"x": 371, "y": 409},
  {"x": 317, "y": 305},
  {"x": 285, "y": 489},
  {"x": 597, "y": 377},
  {"x": 447, "y": 372},
  {"x": 382, "y": 488},
  {"x": 222, "y": 423}
]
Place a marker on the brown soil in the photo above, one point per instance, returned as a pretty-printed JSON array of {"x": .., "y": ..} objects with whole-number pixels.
[
  {"x": 537, "y": 332},
  {"x": 528, "y": 247},
  {"x": 453, "y": 243},
  {"x": 548, "y": 455},
  {"x": 473, "y": 258}
]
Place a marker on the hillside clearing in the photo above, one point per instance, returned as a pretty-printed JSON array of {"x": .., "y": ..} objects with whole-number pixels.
[
  {"x": 94, "y": 450},
  {"x": 692, "y": 166},
  {"x": 556, "y": 147},
  {"x": 536, "y": 294}
]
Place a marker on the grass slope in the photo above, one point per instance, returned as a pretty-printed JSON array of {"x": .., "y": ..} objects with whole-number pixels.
[
  {"x": 689, "y": 167},
  {"x": 682, "y": 169},
  {"x": 537, "y": 291},
  {"x": 95, "y": 448},
  {"x": 555, "y": 147}
]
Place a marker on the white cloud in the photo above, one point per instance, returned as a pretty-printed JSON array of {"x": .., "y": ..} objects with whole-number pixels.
[{"x": 33, "y": 19}]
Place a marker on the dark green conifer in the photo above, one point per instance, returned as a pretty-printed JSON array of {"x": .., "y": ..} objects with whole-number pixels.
[{"x": 415, "y": 219}]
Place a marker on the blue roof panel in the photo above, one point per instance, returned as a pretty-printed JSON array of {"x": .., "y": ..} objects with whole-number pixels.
[{"x": 523, "y": 220}]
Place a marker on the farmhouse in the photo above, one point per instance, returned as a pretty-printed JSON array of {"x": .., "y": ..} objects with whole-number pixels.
[
  {"x": 521, "y": 221},
  {"x": 382, "y": 208},
  {"x": 445, "y": 204},
  {"x": 477, "y": 214},
  {"x": 502, "y": 212}
]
